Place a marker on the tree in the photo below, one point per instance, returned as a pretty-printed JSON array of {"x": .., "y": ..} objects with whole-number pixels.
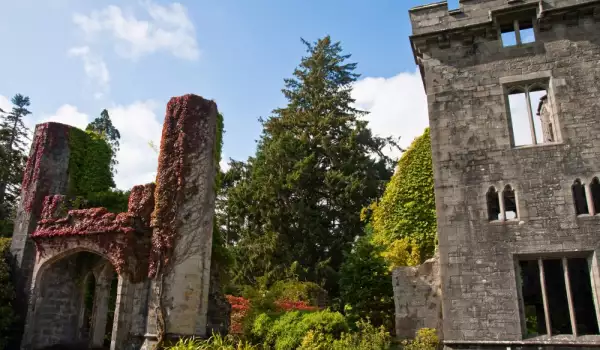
[
  {"x": 404, "y": 220},
  {"x": 365, "y": 285},
  {"x": 298, "y": 199},
  {"x": 13, "y": 136},
  {"x": 104, "y": 126}
]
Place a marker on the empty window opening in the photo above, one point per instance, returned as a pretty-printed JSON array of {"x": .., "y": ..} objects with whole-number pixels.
[
  {"x": 527, "y": 129},
  {"x": 112, "y": 302},
  {"x": 595, "y": 190},
  {"x": 579, "y": 198},
  {"x": 453, "y": 5},
  {"x": 557, "y": 297},
  {"x": 517, "y": 32},
  {"x": 535, "y": 319},
  {"x": 583, "y": 298},
  {"x": 510, "y": 203},
  {"x": 88, "y": 304},
  {"x": 558, "y": 304},
  {"x": 493, "y": 204}
]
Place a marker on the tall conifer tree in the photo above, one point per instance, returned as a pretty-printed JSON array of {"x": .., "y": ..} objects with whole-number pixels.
[{"x": 299, "y": 199}]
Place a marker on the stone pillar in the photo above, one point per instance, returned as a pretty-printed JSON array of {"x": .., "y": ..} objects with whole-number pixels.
[
  {"x": 182, "y": 221},
  {"x": 46, "y": 173}
]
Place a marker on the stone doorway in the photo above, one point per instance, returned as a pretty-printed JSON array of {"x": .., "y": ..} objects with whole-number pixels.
[{"x": 75, "y": 302}]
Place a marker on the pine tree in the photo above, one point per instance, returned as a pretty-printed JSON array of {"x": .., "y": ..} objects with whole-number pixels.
[
  {"x": 103, "y": 125},
  {"x": 13, "y": 137},
  {"x": 299, "y": 199}
]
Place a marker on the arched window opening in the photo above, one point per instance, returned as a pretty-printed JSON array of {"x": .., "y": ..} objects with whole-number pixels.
[
  {"x": 510, "y": 203},
  {"x": 493, "y": 204},
  {"x": 89, "y": 294},
  {"x": 595, "y": 189},
  {"x": 579, "y": 198},
  {"x": 112, "y": 301}
]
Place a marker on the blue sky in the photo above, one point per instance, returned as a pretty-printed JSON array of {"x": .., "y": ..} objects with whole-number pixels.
[{"x": 76, "y": 57}]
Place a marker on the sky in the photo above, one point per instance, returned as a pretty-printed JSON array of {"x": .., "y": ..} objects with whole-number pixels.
[{"x": 74, "y": 58}]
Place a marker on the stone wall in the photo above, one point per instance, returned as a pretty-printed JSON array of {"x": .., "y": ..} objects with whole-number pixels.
[
  {"x": 466, "y": 74},
  {"x": 417, "y": 298}
]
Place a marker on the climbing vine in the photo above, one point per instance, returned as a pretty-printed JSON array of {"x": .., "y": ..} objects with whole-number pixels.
[
  {"x": 404, "y": 220},
  {"x": 89, "y": 163}
]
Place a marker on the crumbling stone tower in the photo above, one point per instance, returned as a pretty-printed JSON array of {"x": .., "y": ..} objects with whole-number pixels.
[
  {"x": 157, "y": 254},
  {"x": 513, "y": 90}
]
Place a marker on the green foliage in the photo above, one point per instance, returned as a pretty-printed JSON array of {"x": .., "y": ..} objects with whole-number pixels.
[
  {"x": 406, "y": 211},
  {"x": 90, "y": 163},
  {"x": 7, "y": 295},
  {"x": 103, "y": 126},
  {"x": 13, "y": 139},
  {"x": 287, "y": 331},
  {"x": 426, "y": 339},
  {"x": 116, "y": 201},
  {"x": 367, "y": 337},
  {"x": 216, "y": 342},
  {"x": 365, "y": 285},
  {"x": 299, "y": 198}
]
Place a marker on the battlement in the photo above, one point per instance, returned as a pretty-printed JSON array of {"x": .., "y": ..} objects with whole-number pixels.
[{"x": 436, "y": 17}]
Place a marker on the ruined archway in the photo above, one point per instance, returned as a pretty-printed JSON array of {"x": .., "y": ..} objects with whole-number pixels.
[{"x": 62, "y": 312}]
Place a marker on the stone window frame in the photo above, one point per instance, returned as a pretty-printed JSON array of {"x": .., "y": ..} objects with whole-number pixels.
[
  {"x": 592, "y": 258},
  {"x": 500, "y": 195},
  {"x": 593, "y": 204},
  {"x": 512, "y": 16},
  {"x": 527, "y": 82}
]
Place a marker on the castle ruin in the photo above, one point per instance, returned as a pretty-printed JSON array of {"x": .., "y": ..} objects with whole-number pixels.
[
  {"x": 157, "y": 254},
  {"x": 513, "y": 91}
]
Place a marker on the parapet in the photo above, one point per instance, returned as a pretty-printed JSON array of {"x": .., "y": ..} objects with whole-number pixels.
[{"x": 436, "y": 17}]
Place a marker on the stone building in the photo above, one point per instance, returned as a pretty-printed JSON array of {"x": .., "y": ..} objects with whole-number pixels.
[
  {"x": 513, "y": 90},
  {"x": 152, "y": 263}
]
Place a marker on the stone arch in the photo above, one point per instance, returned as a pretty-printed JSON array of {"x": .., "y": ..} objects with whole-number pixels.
[
  {"x": 509, "y": 199},
  {"x": 57, "y": 310}
]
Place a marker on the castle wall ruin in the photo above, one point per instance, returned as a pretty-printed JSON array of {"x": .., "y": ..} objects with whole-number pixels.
[{"x": 517, "y": 202}]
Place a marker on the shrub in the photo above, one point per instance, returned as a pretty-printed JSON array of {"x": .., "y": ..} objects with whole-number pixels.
[
  {"x": 426, "y": 339},
  {"x": 367, "y": 337},
  {"x": 287, "y": 331},
  {"x": 7, "y": 295},
  {"x": 365, "y": 285},
  {"x": 216, "y": 342}
]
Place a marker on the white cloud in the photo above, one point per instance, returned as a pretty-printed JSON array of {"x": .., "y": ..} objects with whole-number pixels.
[
  {"x": 168, "y": 28},
  {"x": 5, "y": 104},
  {"x": 224, "y": 163},
  {"x": 138, "y": 125},
  {"x": 94, "y": 68},
  {"x": 397, "y": 106}
]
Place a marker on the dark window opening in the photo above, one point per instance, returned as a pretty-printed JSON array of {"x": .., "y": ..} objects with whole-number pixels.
[
  {"x": 510, "y": 203},
  {"x": 558, "y": 303},
  {"x": 533, "y": 302},
  {"x": 112, "y": 302},
  {"x": 493, "y": 204},
  {"x": 583, "y": 298},
  {"x": 563, "y": 312},
  {"x": 88, "y": 304},
  {"x": 579, "y": 198},
  {"x": 595, "y": 189}
]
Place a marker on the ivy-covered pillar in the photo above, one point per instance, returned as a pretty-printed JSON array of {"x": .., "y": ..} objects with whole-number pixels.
[
  {"x": 182, "y": 221},
  {"x": 46, "y": 173}
]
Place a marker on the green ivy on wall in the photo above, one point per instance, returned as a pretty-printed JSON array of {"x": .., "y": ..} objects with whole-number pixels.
[
  {"x": 89, "y": 164},
  {"x": 404, "y": 220}
]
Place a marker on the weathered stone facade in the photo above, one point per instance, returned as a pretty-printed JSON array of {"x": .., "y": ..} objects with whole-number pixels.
[
  {"x": 504, "y": 267},
  {"x": 417, "y": 298},
  {"x": 152, "y": 262}
]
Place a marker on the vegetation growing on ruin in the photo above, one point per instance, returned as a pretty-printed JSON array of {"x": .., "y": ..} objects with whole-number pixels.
[
  {"x": 89, "y": 163},
  {"x": 404, "y": 220}
]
